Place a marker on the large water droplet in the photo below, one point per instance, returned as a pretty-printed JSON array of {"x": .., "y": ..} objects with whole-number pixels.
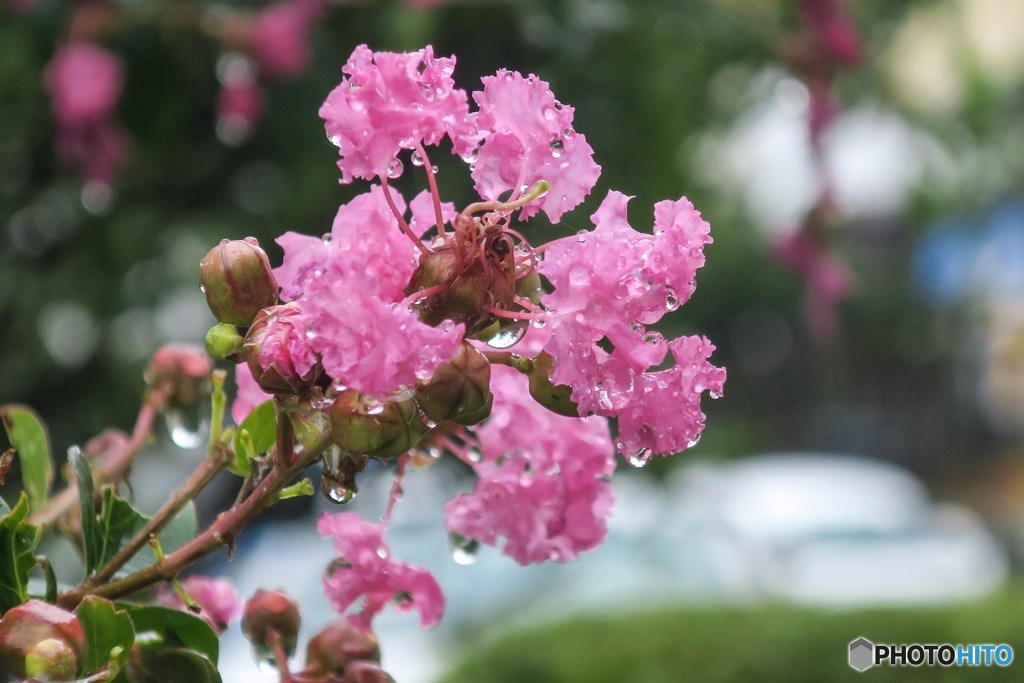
[
  {"x": 640, "y": 458},
  {"x": 693, "y": 442},
  {"x": 417, "y": 159},
  {"x": 187, "y": 428},
  {"x": 334, "y": 490},
  {"x": 509, "y": 335},
  {"x": 671, "y": 300},
  {"x": 465, "y": 551},
  {"x": 714, "y": 394},
  {"x": 265, "y": 661},
  {"x": 556, "y": 147},
  {"x": 395, "y": 168},
  {"x": 471, "y": 156}
]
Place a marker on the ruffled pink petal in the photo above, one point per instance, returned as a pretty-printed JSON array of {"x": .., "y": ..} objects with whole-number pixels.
[
  {"x": 366, "y": 571},
  {"x": 249, "y": 395}
]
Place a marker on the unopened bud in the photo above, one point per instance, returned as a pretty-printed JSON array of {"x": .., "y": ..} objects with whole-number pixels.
[
  {"x": 223, "y": 341},
  {"x": 269, "y": 612},
  {"x": 275, "y": 348},
  {"x": 51, "y": 660},
  {"x": 27, "y": 627},
  {"x": 184, "y": 369},
  {"x": 379, "y": 429},
  {"x": 366, "y": 672},
  {"x": 530, "y": 287},
  {"x": 555, "y": 397},
  {"x": 238, "y": 281},
  {"x": 337, "y": 646},
  {"x": 459, "y": 388},
  {"x": 466, "y": 290}
]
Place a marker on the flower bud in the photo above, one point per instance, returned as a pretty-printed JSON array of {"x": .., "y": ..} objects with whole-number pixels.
[
  {"x": 458, "y": 389},
  {"x": 238, "y": 281},
  {"x": 184, "y": 368},
  {"x": 277, "y": 352},
  {"x": 51, "y": 660},
  {"x": 366, "y": 672},
  {"x": 337, "y": 646},
  {"x": 26, "y": 627},
  {"x": 223, "y": 341},
  {"x": 269, "y": 612},
  {"x": 379, "y": 430},
  {"x": 530, "y": 287},
  {"x": 555, "y": 397}
]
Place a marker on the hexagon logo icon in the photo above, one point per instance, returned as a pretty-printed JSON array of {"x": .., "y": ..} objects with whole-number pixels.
[{"x": 862, "y": 654}]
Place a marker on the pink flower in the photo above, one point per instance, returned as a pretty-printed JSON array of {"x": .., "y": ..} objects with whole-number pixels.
[
  {"x": 217, "y": 599},
  {"x": 351, "y": 292},
  {"x": 388, "y": 102},
  {"x": 280, "y": 38},
  {"x": 84, "y": 82},
  {"x": 528, "y": 136},
  {"x": 284, "y": 359},
  {"x": 542, "y": 479},
  {"x": 366, "y": 570},
  {"x": 248, "y": 396},
  {"x": 609, "y": 284},
  {"x": 423, "y": 216},
  {"x": 832, "y": 30}
]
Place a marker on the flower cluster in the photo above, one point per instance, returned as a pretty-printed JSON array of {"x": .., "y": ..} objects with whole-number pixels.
[{"x": 398, "y": 323}]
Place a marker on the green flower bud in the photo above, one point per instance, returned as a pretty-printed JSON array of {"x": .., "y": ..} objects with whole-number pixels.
[
  {"x": 28, "y": 626},
  {"x": 223, "y": 341},
  {"x": 458, "y": 389},
  {"x": 238, "y": 281},
  {"x": 555, "y": 397},
  {"x": 530, "y": 287},
  {"x": 338, "y": 645},
  {"x": 267, "y": 612},
  {"x": 379, "y": 430},
  {"x": 51, "y": 660}
]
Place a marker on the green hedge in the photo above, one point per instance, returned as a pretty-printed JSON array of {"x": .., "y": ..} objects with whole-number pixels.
[{"x": 770, "y": 643}]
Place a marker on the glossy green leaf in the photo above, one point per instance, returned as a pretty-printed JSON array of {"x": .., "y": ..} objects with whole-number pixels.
[
  {"x": 108, "y": 632},
  {"x": 92, "y": 535},
  {"x": 179, "y": 531},
  {"x": 175, "y": 628},
  {"x": 29, "y": 438},
  {"x": 177, "y": 665},
  {"x": 118, "y": 522},
  {"x": 261, "y": 426},
  {"x": 18, "y": 541}
]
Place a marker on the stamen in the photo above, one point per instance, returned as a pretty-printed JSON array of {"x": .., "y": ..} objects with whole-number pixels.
[{"x": 432, "y": 181}]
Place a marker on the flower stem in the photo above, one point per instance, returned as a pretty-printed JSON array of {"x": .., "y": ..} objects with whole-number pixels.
[
  {"x": 221, "y": 532},
  {"x": 399, "y": 217},
  {"x": 512, "y": 360},
  {"x": 114, "y": 468},
  {"x": 432, "y": 181}
]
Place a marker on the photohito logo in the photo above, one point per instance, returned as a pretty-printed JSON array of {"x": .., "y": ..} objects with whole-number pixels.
[{"x": 864, "y": 654}]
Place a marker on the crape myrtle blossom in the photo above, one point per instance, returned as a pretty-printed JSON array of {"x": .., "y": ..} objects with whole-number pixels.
[
  {"x": 218, "y": 600},
  {"x": 365, "y": 570},
  {"x": 84, "y": 82},
  {"x": 405, "y": 324},
  {"x": 545, "y": 490}
]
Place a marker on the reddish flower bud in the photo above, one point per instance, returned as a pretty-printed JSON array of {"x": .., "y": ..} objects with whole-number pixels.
[
  {"x": 28, "y": 626},
  {"x": 337, "y": 646},
  {"x": 184, "y": 367},
  {"x": 366, "y": 672},
  {"x": 269, "y": 612},
  {"x": 459, "y": 389},
  {"x": 278, "y": 353},
  {"x": 238, "y": 281},
  {"x": 378, "y": 429},
  {"x": 555, "y": 397}
]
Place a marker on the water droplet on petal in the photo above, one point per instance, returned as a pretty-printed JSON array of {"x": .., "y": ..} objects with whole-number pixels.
[
  {"x": 465, "y": 551},
  {"x": 417, "y": 158},
  {"x": 327, "y": 238},
  {"x": 540, "y": 323},
  {"x": 382, "y": 552},
  {"x": 671, "y": 300},
  {"x": 581, "y": 235},
  {"x": 395, "y": 168},
  {"x": 471, "y": 156},
  {"x": 640, "y": 458},
  {"x": 550, "y": 114},
  {"x": 714, "y": 394},
  {"x": 693, "y": 442}
]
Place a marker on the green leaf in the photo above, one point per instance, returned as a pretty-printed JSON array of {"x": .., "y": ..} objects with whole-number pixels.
[
  {"x": 118, "y": 522},
  {"x": 106, "y": 629},
  {"x": 175, "y": 628},
  {"x": 179, "y": 531},
  {"x": 18, "y": 541},
  {"x": 29, "y": 438},
  {"x": 261, "y": 427},
  {"x": 92, "y": 535},
  {"x": 178, "y": 665}
]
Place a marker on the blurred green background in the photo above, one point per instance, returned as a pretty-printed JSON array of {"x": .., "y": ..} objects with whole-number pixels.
[{"x": 676, "y": 97}]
